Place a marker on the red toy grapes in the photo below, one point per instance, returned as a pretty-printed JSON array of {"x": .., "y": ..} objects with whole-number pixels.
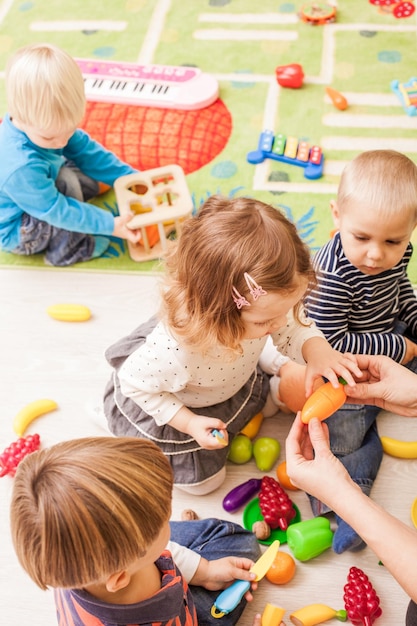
[
  {"x": 13, "y": 454},
  {"x": 276, "y": 507},
  {"x": 361, "y": 601}
]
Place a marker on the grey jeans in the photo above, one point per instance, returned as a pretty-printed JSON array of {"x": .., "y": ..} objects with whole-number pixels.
[{"x": 61, "y": 247}]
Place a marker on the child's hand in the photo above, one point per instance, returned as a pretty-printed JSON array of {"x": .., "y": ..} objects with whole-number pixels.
[
  {"x": 121, "y": 230},
  {"x": 257, "y": 620},
  {"x": 411, "y": 351},
  {"x": 323, "y": 360},
  {"x": 200, "y": 428},
  {"x": 221, "y": 573}
]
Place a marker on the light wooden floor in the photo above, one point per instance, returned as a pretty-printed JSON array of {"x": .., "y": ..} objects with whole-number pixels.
[{"x": 41, "y": 357}]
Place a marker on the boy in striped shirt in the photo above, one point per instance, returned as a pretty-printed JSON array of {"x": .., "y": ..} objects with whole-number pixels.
[{"x": 363, "y": 301}]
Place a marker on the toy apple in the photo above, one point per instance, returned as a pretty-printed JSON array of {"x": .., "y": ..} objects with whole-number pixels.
[
  {"x": 290, "y": 75},
  {"x": 240, "y": 450}
]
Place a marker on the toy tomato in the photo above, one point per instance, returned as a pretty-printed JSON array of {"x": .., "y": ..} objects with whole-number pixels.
[{"x": 323, "y": 402}]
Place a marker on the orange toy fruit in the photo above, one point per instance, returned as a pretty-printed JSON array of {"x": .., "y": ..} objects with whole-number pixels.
[
  {"x": 283, "y": 478},
  {"x": 282, "y": 569},
  {"x": 323, "y": 402}
]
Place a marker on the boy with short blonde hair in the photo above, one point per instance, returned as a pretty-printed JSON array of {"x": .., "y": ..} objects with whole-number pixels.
[
  {"x": 363, "y": 290},
  {"x": 90, "y": 518},
  {"x": 50, "y": 168},
  {"x": 364, "y": 302},
  {"x": 62, "y": 100}
]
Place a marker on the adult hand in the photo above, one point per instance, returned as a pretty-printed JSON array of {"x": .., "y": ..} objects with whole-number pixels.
[
  {"x": 311, "y": 465},
  {"x": 388, "y": 385}
]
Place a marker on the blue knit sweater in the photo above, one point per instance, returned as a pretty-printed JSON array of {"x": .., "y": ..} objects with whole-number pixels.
[{"x": 27, "y": 183}]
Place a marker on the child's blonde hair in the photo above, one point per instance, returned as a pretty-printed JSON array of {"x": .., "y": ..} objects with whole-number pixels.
[
  {"x": 85, "y": 509},
  {"x": 383, "y": 180},
  {"x": 45, "y": 88},
  {"x": 227, "y": 238}
]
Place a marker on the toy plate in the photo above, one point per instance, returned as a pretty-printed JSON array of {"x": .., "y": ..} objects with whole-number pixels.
[
  {"x": 414, "y": 512},
  {"x": 252, "y": 514}
]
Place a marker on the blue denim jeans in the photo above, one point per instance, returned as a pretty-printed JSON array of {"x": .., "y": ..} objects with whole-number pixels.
[
  {"x": 215, "y": 539},
  {"x": 354, "y": 440},
  {"x": 61, "y": 247}
]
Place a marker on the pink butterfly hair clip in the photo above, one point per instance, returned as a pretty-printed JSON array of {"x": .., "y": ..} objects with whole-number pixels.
[{"x": 255, "y": 291}]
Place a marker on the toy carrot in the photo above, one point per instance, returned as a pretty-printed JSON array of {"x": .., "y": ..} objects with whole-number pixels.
[
  {"x": 337, "y": 98},
  {"x": 324, "y": 402}
]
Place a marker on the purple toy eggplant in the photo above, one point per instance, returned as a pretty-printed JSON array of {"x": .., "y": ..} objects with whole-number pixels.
[{"x": 241, "y": 494}]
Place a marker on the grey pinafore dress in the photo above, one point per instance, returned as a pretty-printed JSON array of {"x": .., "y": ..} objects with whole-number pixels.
[{"x": 191, "y": 464}]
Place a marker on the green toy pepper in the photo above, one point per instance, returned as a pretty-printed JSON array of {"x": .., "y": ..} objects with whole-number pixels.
[{"x": 309, "y": 538}]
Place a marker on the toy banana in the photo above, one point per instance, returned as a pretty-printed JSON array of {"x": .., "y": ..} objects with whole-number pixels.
[
  {"x": 252, "y": 428},
  {"x": 69, "y": 312},
  {"x": 30, "y": 412},
  {"x": 400, "y": 449},
  {"x": 316, "y": 614}
]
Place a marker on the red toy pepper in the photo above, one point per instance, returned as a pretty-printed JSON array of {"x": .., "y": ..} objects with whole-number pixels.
[
  {"x": 276, "y": 507},
  {"x": 13, "y": 454},
  {"x": 290, "y": 75},
  {"x": 361, "y": 601}
]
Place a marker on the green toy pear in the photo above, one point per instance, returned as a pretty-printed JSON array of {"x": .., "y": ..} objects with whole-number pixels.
[{"x": 266, "y": 452}]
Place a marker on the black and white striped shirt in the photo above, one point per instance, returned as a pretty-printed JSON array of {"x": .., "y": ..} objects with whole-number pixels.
[{"x": 358, "y": 313}]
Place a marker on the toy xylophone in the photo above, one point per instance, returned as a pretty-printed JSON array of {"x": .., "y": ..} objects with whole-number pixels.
[
  {"x": 288, "y": 150},
  {"x": 163, "y": 86}
]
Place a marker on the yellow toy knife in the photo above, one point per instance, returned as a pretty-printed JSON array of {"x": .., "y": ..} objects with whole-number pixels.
[{"x": 230, "y": 597}]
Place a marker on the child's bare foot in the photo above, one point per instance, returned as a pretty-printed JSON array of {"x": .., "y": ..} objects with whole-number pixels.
[{"x": 188, "y": 515}]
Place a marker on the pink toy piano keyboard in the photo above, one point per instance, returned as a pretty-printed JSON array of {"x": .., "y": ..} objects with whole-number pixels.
[{"x": 163, "y": 86}]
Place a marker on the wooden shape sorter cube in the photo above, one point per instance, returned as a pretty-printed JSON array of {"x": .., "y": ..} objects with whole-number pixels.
[{"x": 160, "y": 200}]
